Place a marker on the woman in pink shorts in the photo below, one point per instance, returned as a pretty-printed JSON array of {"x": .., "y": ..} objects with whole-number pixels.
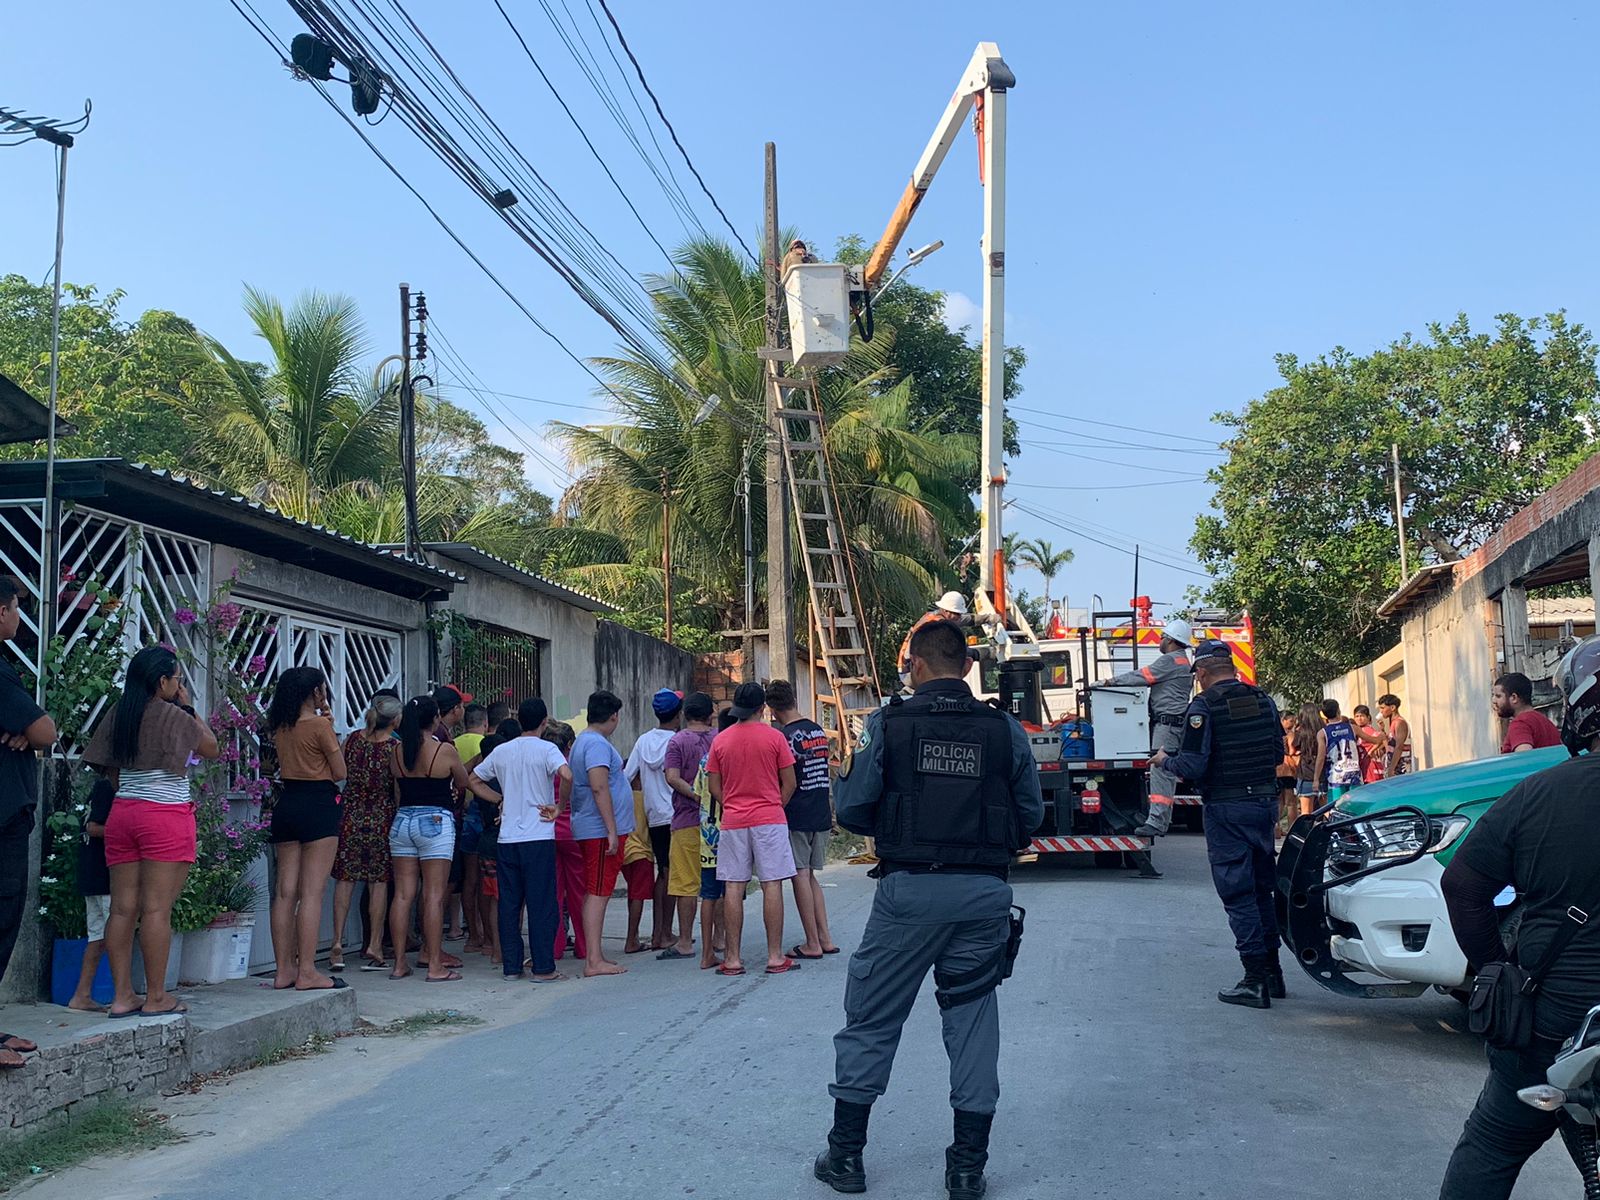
[{"x": 144, "y": 746}]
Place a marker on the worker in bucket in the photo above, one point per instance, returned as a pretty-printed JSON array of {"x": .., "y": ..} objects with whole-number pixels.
[
  {"x": 952, "y": 606},
  {"x": 947, "y": 786},
  {"x": 1170, "y": 682}
]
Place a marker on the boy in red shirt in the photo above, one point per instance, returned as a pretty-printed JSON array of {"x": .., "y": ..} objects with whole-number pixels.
[{"x": 750, "y": 771}]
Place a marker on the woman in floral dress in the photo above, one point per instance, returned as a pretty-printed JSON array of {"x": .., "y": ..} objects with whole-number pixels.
[{"x": 369, "y": 806}]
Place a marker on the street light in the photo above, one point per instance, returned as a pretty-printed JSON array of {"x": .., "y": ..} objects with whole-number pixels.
[{"x": 913, "y": 259}]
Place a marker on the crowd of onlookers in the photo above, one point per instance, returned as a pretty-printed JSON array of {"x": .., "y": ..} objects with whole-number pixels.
[{"x": 504, "y": 829}]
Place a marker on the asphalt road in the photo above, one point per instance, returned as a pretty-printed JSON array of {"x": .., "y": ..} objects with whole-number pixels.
[{"x": 1122, "y": 1075}]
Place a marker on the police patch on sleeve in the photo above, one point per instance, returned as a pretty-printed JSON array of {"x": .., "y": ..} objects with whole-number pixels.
[{"x": 1196, "y": 721}]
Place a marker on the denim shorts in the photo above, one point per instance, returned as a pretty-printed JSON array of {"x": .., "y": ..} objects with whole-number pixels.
[{"x": 422, "y": 832}]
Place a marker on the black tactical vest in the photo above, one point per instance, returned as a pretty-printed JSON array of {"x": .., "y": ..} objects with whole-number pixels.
[
  {"x": 1246, "y": 738},
  {"x": 946, "y": 783}
]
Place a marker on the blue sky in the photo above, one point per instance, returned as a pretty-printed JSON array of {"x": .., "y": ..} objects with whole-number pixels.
[{"x": 1194, "y": 188}]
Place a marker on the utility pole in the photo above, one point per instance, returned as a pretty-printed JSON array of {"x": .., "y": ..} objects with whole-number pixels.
[
  {"x": 1399, "y": 512},
  {"x": 780, "y": 609},
  {"x": 666, "y": 554},
  {"x": 408, "y": 428},
  {"x": 991, "y": 103}
]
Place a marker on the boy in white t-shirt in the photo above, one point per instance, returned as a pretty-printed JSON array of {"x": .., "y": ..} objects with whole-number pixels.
[{"x": 535, "y": 786}]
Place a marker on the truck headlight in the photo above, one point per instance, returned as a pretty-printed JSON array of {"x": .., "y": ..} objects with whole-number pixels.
[{"x": 1400, "y": 837}]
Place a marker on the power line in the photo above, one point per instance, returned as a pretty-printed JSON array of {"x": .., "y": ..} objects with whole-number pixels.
[
  {"x": 1111, "y": 462},
  {"x": 1044, "y": 412},
  {"x": 264, "y": 31},
  {"x": 1103, "y": 487},
  {"x": 1077, "y": 532},
  {"x": 1090, "y": 440},
  {"x": 561, "y": 100},
  {"x": 623, "y": 42}
]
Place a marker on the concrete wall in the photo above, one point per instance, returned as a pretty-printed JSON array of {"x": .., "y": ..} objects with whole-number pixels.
[
  {"x": 1449, "y": 675},
  {"x": 1384, "y": 674},
  {"x": 567, "y": 661},
  {"x": 634, "y": 666}
]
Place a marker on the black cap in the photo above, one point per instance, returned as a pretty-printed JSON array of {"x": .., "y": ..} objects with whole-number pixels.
[
  {"x": 750, "y": 699},
  {"x": 1208, "y": 652}
]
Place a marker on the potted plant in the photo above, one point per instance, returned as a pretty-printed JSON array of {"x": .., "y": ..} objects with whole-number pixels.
[{"x": 216, "y": 909}]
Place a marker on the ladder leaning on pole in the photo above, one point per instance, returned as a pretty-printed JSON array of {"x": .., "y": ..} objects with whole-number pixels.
[{"x": 841, "y": 646}]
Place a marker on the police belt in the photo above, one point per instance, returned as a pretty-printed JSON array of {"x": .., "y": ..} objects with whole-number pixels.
[
  {"x": 904, "y": 868},
  {"x": 1250, "y": 791},
  {"x": 1175, "y": 719}
]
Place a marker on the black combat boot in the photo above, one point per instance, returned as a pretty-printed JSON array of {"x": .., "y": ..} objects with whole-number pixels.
[
  {"x": 839, "y": 1166},
  {"x": 1252, "y": 990},
  {"x": 966, "y": 1157},
  {"x": 1275, "y": 985}
]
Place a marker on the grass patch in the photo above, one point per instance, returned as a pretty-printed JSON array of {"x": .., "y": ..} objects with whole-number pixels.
[
  {"x": 280, "y": 1052},
  {"x": 113, "y": 1127},
  {"x": 844, "y": 845},
  {"x": 423, "y": 1022}
]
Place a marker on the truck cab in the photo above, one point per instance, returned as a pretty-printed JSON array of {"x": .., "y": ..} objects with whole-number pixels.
[{"x": 1360, "y": 904}]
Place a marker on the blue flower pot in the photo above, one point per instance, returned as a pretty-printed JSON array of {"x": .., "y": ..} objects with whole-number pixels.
[{"x": 66, "y": 964}]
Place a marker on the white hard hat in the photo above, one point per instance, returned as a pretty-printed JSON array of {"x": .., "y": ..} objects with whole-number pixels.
[
  {"x": 952, "y": 602},
  {"x": 1178, "y": 631}
]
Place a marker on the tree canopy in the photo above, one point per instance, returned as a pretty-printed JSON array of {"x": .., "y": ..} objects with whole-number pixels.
[{"x": 1303, "y": 531}]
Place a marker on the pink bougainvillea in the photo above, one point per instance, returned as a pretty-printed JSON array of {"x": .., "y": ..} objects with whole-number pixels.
[{"x": 185, "y": 617}]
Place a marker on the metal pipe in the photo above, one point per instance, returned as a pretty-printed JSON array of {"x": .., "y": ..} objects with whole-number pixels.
[{"x": 49, "y": 600}]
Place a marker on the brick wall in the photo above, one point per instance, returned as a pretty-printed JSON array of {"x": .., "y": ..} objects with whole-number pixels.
[
  {"x": 1546, "y": 508},
  {"x": 118, "y": 1064},
  {"x": 717, "y": 675}
]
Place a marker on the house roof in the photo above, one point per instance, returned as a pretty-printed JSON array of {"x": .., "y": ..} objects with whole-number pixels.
[
  {"x": 1411, "y": 593},
  {"x": 168, "y": 501},
  {"x": 23, "y": 418},
  {"x": 469, "y": 555}
]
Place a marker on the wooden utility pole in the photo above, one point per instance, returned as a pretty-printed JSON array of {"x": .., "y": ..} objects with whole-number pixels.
[
  {"x": 780, "y": 610},
  {"x": 1399, "y": 512}
]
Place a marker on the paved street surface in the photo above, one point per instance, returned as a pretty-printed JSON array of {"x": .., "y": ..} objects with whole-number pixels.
[{"x": 1122, "y": 1077}]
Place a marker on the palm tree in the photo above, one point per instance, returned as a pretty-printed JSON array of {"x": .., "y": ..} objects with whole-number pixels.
[
  {"x": 1043, "y": 558},
  {"x": 897, "y": 486},
  {"x": 309, "y": 423}
]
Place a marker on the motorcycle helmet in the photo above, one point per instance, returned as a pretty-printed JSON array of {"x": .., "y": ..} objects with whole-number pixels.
[{"x": 1578, "y": 677}]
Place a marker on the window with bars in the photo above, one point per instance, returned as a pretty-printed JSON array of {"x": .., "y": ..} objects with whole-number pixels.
[{"x": 494, "y": 663}]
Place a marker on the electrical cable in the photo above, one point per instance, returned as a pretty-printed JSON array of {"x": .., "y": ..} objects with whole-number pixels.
[
  {"x": 1044, "y": 412},
  {"x": 1077, "y": 532},
  {"x": 1104, "y": 487},
  {"x": 623, "y": 42},
  {"x": 561, "y": 100},
  {"x": 264, "y": 31},
  {"x": 1111, "y": 462}
]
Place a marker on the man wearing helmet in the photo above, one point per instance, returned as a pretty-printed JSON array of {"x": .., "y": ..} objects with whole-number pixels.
[
  {"x": 1170, "y": 682},
  {"x": 952, "y": 606},
  {"x": 1538, "y": 838}
]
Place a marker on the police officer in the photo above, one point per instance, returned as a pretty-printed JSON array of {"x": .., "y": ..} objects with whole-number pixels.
[
  {"x": 1170, "y": 682},
  {"x": 948, "y": 788},
  {"x": 1232, "y": 745}
]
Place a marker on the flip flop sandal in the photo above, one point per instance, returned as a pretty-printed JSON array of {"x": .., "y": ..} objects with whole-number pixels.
[
  {"x": 450, "y": 978},
  {"x": 335, "y": 967},
  {"x": 835, "y": 950},
  {"x": 22, "y": 1045},
  {"x": 672, "y": 952},
  {"x": 711, "y": 966},
  {"x": 789, "y": 964},
  {"x": 407, "y": 975},
  {"x": 333, "y": 986},
  {"x": 795, "y": 952},
  {"x": 375, "y": 964},
  {"x": 117, "y": 1016},
  {"x": 177, "y": 1008},
  {"x": 13, "y": 1066},
  {"x": 637, "y": 950},
  {"x": 722, "y": 969}
]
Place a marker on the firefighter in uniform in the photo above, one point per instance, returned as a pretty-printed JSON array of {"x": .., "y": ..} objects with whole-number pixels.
[
  {"x": 1170, "y": 682},
  {"x": 1232, "y": 745},
  {"x": 948, "y": 788}
]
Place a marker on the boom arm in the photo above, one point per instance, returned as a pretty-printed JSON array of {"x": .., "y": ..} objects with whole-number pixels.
[{"x": 986, "y": 70}]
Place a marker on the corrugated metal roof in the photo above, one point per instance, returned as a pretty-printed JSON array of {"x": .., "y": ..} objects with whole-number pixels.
[
  {"x": 470, "y": 555},
  {"x": 1412, "y": 590},
  {"x": 1545, "y": 609},
  {"x": 172, "y": 501}
]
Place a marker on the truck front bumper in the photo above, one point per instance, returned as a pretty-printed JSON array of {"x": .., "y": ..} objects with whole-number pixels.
[{"x": 1388, "y": 921}]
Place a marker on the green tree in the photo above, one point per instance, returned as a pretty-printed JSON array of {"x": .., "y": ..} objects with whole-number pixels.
[
  {"x": 1044, "y": 558},
  {"x": 125, "y": 385},
  {"x": 1303, "y": 530},
  {"x": 897, "y": 482},
  {"x": 943, "y": 368}
]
